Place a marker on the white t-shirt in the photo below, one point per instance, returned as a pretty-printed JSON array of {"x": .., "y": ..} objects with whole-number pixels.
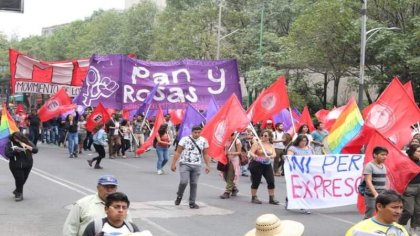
[
  {"x": 117, "y": 126},
  {"x": 110, "y": 230},
  {"x": 277, "y": 137},
  {"x": 191, "y": 155}
]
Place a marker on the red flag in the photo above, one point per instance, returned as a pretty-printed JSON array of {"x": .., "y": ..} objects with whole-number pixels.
[
  {"x": 149, "y": 142},
  {"x": 125, "y": 114},
  {"x": 306, "y": 119},
  {"x": 230, "y": 117},
  {"x": 99, "y": 115},
  {"x": 356, "y": 144},
  {"x": 270, "y": 102},
  {"x": 321, "y": 115},
  {"x": 177, "y": 115},
  {"x": 59, "y": 103},
  {"x": 393, "y": 113},
  {"x": 20, "y": 108},
  {"x": 409, "y": 89},
  {"x": 400, "y": 169}
]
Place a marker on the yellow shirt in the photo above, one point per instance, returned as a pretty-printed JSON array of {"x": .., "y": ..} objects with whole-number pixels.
[{"x": 371, "y": 227}]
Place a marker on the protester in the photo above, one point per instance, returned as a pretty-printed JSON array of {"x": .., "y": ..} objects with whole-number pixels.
[
  {"x": 115, "y": 223},
  {"x": 34, "y": 124},
  {"x": 388, "y": 205},
  {"x": 162, "y": 147},
  {"x": 99, "y": 143},
  {"x": 19, "y": 151},
  {"x": 126, "y": 137},
  {"x": 411, "y": 196},
  {"x": 114, "y": 138},
  {"x": 279, "y": 147},
  {"x": 138, "y": 132},
  {"x": 247, "y": 141},
  {"x": 72, "y": 134},
  {"x": 318, "y": 136},
  {"x": 304, "y": 129},
  {"x": 271, "y": 225},
  {"x": 375, "y": 177},
  {"x": 90, "y": 207},
  {"x": 191, "y": 149},
  {"x": 261, "y": 154},
  {"x": 233, "y": 150},
  {"x": 300, "y": 147}
]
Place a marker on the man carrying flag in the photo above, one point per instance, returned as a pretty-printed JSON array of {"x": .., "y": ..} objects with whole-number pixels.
[{"x": 191, "y": 149}]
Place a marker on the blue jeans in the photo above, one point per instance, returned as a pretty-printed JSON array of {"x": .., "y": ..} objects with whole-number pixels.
[
  {"x": 73, "y": 140},
  {"x": 54, "y": 134},
  {"x": 163, "y": 156}
]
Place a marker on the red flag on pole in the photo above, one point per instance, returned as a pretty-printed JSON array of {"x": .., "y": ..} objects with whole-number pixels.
[
  {"x": 149, "y": 142},
  {"x": 270, "y": 102},
  {"x": 98, "y": 116},
  {"x": 306, "y": 119},
  {"x": 409, "y": 89},
  {"x": 231, "y": 117},
  {"x": 59, "y": 103},
  {"x": 393, "y": 113}
]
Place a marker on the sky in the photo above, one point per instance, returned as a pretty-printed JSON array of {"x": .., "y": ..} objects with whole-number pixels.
[{"x": 44, "y": 13}]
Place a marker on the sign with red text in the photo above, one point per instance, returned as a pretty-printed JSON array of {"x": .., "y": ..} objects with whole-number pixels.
[{"x": 323, "y": 181}]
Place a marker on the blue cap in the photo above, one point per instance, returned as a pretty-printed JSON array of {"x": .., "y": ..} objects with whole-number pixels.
[{"x": 108, "y": 180}]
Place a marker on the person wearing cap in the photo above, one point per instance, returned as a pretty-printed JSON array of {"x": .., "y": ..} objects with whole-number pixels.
[
  {"x": 115, "y": 223},
  {"x": 90, "y": 207},
  {"x": 271, "y": 225}
]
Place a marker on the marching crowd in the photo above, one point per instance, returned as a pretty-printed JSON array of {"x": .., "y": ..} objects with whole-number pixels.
[{"x": 256, "y": 152}]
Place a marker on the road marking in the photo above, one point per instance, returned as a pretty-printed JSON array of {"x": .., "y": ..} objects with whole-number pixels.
[{"x": 157, "y": 226}]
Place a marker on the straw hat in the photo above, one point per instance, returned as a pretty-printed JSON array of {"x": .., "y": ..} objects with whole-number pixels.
[{"x": 271, "y": 225}]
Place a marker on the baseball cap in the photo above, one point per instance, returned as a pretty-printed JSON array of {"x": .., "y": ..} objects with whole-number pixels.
[{"x": 108, "y": 180}]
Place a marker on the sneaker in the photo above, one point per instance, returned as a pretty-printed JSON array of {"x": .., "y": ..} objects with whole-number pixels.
[
  {"x": 234, "y": 192},
  {"x": 178, "y": 201},
  {"x": 159, "y": 172},
  {"x": 80, "y": 152},
  {"x": 305, "y": 211},
  {"x": 19, "y": 197},
  {"x": 245, "y": 175},
  {"x": 71, "y": 156},
  {"x": 124, "y": 156},
  {"x": 194, "y": 206},
  {"x": 90, "y": 162},
  {"x": 14, "y": 192},
  {"x": 75, "y": 154},
  {"x": 256, "y": 201},
  {"x": 274, "y": 202},
  {"x": 225, "y": 195},
  {"x": 98, "y": 167}
]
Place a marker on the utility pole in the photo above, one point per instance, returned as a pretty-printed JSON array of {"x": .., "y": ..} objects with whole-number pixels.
[
  {"x": 362, "y": 53},
  {"x": 218, "y": 30}
]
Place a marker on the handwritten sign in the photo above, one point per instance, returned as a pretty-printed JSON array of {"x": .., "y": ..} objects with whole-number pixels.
[{"x": 322, "y": 181}]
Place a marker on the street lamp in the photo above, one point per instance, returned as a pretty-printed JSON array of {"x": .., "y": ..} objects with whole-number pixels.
[
  {"x": 219, "y": 38},
  {"x": 363, "y": 49}
]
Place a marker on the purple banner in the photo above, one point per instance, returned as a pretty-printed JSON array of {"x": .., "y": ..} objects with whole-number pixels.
[{"x": 121, "y": 82}]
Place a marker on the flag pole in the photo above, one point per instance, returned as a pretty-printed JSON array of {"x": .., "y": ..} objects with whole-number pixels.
[
  {"x": 258, "y": 138},
  {"x": 234, "y": 140},
  {"x": 293, "y": 123}
]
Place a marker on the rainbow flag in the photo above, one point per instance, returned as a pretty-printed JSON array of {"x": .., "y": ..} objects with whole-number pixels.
[
  {"x": 7, "y": 127},
  {"x": 345, "y": 128}
]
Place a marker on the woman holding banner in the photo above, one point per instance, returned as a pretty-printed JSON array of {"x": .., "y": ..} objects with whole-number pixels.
[
  {"x": 300, "y": 147},
  {"x": 262, "y": 152}
]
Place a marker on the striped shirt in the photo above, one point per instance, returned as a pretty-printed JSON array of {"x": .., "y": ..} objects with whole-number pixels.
[{"x": 378, "y": 177}]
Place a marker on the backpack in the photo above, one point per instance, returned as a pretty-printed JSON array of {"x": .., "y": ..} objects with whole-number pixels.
[{"x": 99, "y": 224}]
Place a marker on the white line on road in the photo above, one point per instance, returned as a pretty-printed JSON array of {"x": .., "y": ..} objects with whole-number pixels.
[{"x": 157, "y": 226}]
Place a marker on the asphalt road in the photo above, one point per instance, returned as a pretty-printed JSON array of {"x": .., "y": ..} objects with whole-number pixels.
[{"x": 56, "y": 181}]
